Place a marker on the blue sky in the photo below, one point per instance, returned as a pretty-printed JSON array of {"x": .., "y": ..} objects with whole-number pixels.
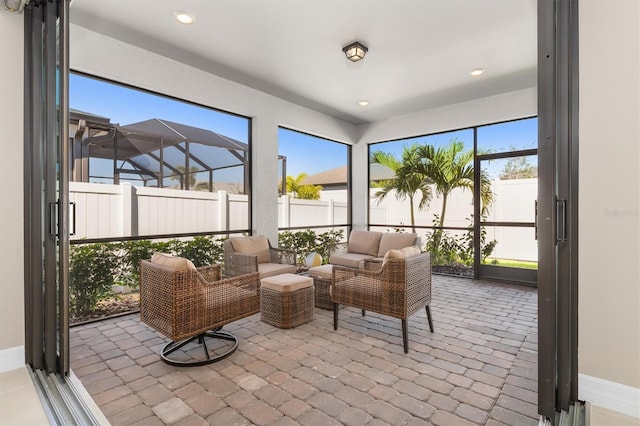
[
  {"x": 519, "y": 134},
  {"x": 125, "y": 106},
  {"x": 305, "y": 153},
  {"x": 309, "y": 154},
  {"x": 501, "y": 137}
]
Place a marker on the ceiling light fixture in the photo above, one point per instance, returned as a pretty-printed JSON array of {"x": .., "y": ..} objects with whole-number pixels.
[
  {"x": 363, "y": 102},
  {"x": 477, "y": 71},
  {"x": 15, "y": 5},
  {"x": 185, "y": 18},
  {"x": 355, "y": 51}
]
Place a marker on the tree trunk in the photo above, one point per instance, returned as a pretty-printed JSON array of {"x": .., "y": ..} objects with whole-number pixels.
[
  {"x": 438, "y": 232},
  {"x": 444, "y": 208},
  {"x": 413, "y": 219}
]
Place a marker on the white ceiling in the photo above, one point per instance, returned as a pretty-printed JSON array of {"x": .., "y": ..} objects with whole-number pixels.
[{"x": 420, "y": 51}]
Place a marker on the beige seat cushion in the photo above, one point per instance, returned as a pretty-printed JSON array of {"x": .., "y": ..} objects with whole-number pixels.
[
  {"x": 364, "y": 242},
  {"x": 351, "y": 260},
  {"x": 257, "y": 246},
  {"x": 395, "y": 241},
  {"x": 173, "y": 262},
  {"x": 323, "y": 271},
  {"x": 286, "y": 282},
  {"x": 271, "y": 269},
  {"x": 402, "y": 253}
]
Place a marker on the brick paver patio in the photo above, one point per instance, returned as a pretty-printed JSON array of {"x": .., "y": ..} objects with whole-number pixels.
[{"x": 479, "y": 367}]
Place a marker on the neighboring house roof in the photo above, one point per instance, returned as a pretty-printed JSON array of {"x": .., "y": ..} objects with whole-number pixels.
[
  {"x": 338, "y": 176},
  {"x": 328, "y": 177}
]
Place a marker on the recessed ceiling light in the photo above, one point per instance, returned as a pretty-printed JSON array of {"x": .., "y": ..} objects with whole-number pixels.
[
  {"x": 363, "y": 103},
  {"x": 184, "y": 17},
  {"x": 477, "y": 71}
]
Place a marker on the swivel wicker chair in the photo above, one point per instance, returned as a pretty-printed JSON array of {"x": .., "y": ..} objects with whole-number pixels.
[
  {"x": 399, "y": 288},
  {"x": 190, "y": 306}
]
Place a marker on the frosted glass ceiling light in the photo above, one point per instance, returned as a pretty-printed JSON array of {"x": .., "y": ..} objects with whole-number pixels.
[
  {"x": 477, "y": 71},
  {"x": 15, "y": 5},
  {"x": 355, "y": 51}
]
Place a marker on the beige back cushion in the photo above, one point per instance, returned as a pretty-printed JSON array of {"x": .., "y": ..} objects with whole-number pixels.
[
  {"x": 364, "y": 242},
  {"x": 395, "y": 241},
  {"x": 258, "y": 246},
  {"x": 173, "y": 262},
  {"x": 402, "y": 253}
]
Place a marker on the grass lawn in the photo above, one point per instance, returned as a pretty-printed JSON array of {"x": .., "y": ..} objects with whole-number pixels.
[{"x": 512, "y": 263}]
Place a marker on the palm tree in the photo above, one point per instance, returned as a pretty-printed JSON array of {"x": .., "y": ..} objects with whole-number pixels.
[
  {"x": 406, "y": 181},
  {"x": 451, "y": 167},
  {"x": 294, "y": 183}
]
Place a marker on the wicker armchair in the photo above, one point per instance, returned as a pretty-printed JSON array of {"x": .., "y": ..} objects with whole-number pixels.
[
  {"x": 188, "y": 304},
  {"x": 401, "y": 287},
  {"x": 243, "y": 255}
]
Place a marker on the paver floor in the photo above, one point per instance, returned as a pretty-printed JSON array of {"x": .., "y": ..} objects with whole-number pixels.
[{"x": 478, "y": 367}]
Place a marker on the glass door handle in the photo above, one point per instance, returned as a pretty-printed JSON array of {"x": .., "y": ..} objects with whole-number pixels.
[
  {"x": 535, "y": 219},
  {"x": 73, "y": 218},
  {"x": 561, "y": 220},
  {"x": 53, "y": 219}
]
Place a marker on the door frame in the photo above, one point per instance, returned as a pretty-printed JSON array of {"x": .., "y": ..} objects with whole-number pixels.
[{"x": 557, "y": 206}]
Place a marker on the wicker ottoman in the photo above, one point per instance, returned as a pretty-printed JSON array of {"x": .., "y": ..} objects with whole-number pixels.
[
  {"x": 322, "y": 276},
  {"x": 286, "y": 300}
]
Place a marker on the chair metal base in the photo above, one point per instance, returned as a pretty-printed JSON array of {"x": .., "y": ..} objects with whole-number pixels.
[{"x": 171, "y": 347}]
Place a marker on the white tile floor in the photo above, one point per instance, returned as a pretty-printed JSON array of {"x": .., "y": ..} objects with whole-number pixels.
[{"x": 19, "y": 402}]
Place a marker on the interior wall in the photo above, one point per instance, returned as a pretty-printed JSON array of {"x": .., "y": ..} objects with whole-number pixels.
[
  {"x": 609, "y": 180},
  {"x": 11, "y": 143},
  {"x": 102, "y": 56},
  {"x": 507, "y": 106}
]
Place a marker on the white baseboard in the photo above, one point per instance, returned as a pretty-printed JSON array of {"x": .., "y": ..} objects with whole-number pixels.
[
  {"x": 610, "y": 395},
  {"x": 11, "y": 358}
]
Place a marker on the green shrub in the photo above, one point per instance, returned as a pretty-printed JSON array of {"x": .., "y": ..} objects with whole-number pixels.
[
  {"x": 92, "y": 270},
  {"x": 132, "y": 252},
  {"x": 95, "y": 268},
  {"x": 447, "y": 250},
  {"x": 307, "y": 241},
  {"x": 200, "y": 250}
]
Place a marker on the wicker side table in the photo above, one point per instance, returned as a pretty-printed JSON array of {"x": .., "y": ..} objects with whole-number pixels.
[
  {"x": 323, "y": 294},
  {"x": 322, "y": 276},
  {"x": 286, "y": 300}
]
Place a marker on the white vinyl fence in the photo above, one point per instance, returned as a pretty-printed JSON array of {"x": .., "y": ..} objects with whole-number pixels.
[{"x": 104, "y": 210}]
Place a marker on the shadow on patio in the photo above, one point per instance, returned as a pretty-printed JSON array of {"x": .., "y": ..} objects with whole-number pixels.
[{"x": 479, "y": 367}]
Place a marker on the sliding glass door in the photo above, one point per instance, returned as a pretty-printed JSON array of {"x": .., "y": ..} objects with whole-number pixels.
[{"x": 46, "y": 186}]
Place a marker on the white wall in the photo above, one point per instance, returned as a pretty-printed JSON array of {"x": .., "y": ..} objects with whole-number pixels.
[
  {"x": 94, "y": 54},
  {"x": 11, "y": 144},
  {"x": 609, "y": 179}
]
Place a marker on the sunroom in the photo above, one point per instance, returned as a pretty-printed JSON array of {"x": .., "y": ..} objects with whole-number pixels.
[{"x": 207, "y": 181}]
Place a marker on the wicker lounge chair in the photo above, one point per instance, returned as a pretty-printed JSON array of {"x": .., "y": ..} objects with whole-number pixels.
[
  {"x": 188, "y": 304},
  {"x": 399, "y": 288},
  {"x": 243, "y": 255}
]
